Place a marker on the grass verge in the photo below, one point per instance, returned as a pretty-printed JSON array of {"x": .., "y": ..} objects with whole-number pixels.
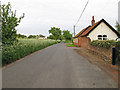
[
  {"x": 71, "y": 45},
  {"x": 23, "y": 47}
]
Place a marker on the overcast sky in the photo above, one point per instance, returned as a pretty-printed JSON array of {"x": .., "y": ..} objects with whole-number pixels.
[{"x": 41, "y": 15}]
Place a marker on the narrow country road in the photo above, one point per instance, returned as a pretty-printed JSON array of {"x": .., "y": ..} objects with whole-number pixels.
[{"x": 57, "y": 66}]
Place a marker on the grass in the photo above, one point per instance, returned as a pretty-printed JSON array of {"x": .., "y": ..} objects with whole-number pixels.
[
  {"x": 71, "y": 45},
  {"x": 23, "y": 47}
]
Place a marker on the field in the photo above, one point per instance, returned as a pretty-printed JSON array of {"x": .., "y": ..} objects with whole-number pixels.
[{"x": 23, "y": 47}]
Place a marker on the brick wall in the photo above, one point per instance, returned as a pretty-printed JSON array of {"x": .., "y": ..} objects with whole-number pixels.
[{"x": 85, "y": 42}]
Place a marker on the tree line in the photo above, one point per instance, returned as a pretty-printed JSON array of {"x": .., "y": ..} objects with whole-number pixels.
[
  {"x": 58, "y": 34},
  {"x": 30, "y": 36}
]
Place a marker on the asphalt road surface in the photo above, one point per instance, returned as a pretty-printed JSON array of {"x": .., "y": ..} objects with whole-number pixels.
[{"x": 57, "y": 66}]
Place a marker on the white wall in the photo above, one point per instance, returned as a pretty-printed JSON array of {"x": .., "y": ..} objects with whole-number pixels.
[
  {"x": 75, "y": 40},
  {"x": 102, "y": 29}
]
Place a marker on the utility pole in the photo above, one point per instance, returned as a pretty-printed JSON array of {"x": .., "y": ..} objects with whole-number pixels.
[{"x": 74, "y": 30}]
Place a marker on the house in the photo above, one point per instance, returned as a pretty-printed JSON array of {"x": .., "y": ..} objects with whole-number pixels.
[{"x": 100, "y": 30}]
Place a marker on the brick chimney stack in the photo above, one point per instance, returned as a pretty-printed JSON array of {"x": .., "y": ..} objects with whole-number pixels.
[{"x": 93, "y": 21}]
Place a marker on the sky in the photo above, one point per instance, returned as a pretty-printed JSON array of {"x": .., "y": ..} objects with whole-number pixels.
[{"x": 41, "y": 15}]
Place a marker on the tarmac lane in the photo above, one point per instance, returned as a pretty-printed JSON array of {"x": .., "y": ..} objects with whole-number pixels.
[{"x": 56, "y": 66}]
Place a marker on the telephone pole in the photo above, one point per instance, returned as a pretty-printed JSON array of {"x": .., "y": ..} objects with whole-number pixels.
[{"x": 74, "y": 30}]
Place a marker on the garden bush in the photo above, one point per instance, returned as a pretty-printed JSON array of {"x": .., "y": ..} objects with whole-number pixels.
[{"x": 105, "y": 44}]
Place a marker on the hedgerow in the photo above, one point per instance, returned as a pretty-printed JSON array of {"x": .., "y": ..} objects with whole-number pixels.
[
  {"x": 105, "y": 43},
  {"x": 23, "y": 47}
]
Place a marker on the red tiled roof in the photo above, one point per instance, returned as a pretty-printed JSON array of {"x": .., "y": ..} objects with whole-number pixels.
[
  {"x": 86, "y": 30},
  {"x": 81, "y": 32}
]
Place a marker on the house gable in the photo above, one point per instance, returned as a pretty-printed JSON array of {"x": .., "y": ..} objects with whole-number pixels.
[
  {"x": 102, "y": 29},
  {"x": 106, "y": 24}
]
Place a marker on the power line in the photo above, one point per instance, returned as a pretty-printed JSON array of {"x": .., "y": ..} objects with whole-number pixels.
[
  {"x": 82, "y": 12},
  {"x": 80, "y": 17}
]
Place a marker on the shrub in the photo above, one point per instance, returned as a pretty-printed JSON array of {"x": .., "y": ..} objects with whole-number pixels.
[{"x": 105, "y": 44}]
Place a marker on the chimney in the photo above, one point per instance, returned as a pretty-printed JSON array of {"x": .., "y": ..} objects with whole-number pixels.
[{"x": 93, "y": 21}]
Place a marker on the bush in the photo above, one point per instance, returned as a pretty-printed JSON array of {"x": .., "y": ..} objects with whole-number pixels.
[
  {"x": 24, "y": 47},
  {"x": 105, "y": 44}
]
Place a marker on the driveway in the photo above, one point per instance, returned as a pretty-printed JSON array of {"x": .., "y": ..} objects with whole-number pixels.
[{"x": 56, "y": 66}]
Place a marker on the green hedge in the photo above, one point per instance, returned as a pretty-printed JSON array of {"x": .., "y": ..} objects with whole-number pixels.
[
  {"x": 24, "y": 47},
  {"x": 105, "y": 43}
]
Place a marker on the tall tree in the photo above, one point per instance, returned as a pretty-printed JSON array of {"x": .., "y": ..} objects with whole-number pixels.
[
  {"x": 56, "y": 32},
  {"x": 67, "y": 35},
  {"x": 9, "y": 24},
  {"x": 118, "y": 27}
]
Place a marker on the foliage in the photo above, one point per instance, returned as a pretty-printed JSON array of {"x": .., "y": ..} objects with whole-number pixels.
[
  {"x": 21, "y": 36},
  {"x": 32, "y": 36},
  {"x": 118, "y": 27},
  {"x": 71, "y": 45},
  {"x": 41, "y": 35},
  {"x": 22, "y": 48},
  {"x": 35, "y": 36},
  {"x": 67, "y": 35},
  {"x": 9, "y": 24},
  {"x": 51, "y": 37},
  {"x": 56, "y": 32},
  {"x": 61, "y": 37},
  {"x": 106, "y": 43}
]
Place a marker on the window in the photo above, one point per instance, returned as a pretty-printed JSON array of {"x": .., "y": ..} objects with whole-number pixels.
[
  {"x": 99, "y": 37},
  {"x": 102, "y": 37}
]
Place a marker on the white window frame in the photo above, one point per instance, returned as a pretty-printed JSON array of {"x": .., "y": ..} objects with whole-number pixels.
[{"x": 102, "y": 37}]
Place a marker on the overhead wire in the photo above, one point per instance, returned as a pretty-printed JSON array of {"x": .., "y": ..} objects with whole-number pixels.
[{"x": 82, "y": 12}]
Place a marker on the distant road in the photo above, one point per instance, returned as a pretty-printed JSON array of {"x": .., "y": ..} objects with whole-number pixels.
[{"x": 57, "y": 66}]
